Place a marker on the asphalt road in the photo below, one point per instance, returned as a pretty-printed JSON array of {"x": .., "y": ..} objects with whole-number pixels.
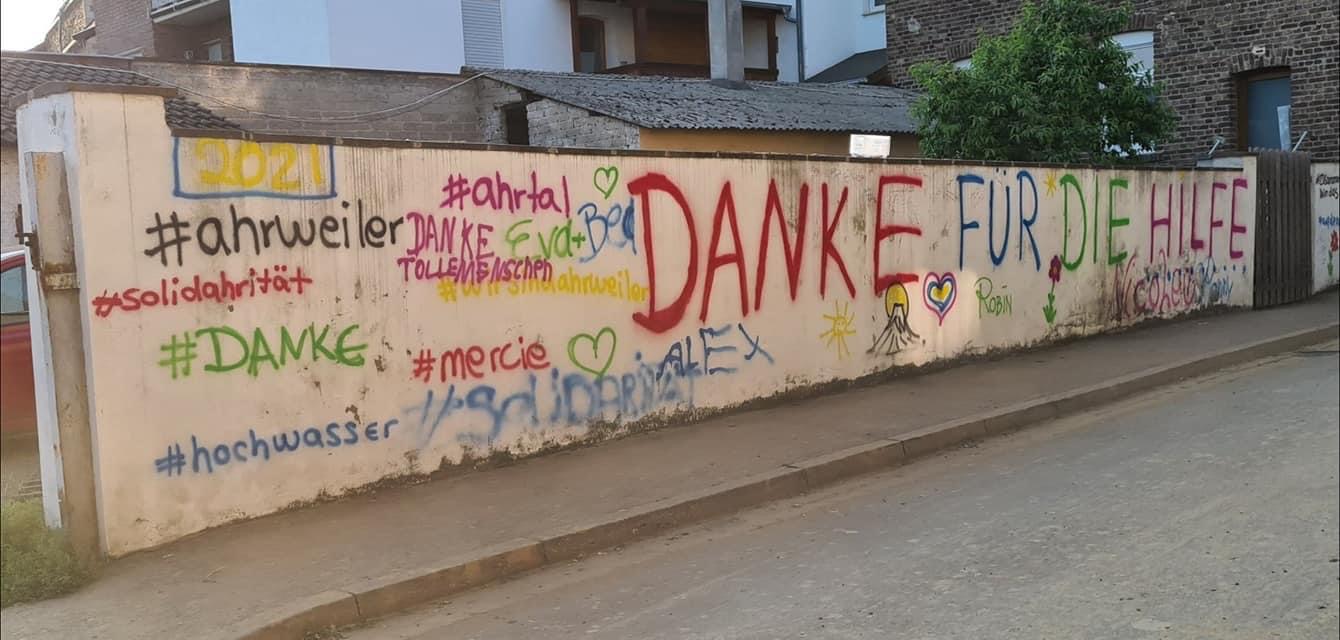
[{"x": 1204, "y": 510}]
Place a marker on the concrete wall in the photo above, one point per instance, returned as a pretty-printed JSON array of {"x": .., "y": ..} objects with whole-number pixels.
[
  {"x": 554, "y": 124},
  {"x": 9, "y": 195},
  {"x": 788, "y": 51},
  {"x": 400, "y": 309},
  {"x": 408, "y": 35},
  {"x": 838, "y": 29},
  {"x": 292, "y": 32},
  {"x": 802, "y": 142},
  {"x": 1326, "y": 233},
  {"x": 323, "y": 98},
  {"x": 537, "y": 35}
]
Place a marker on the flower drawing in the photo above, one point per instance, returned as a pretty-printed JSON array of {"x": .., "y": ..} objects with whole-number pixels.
[{"x": 1053, "y": 274}]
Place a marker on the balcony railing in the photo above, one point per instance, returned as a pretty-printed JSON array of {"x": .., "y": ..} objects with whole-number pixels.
[
  {"x": 160, "y": 8},
  {"x": 166, "y": 5}
]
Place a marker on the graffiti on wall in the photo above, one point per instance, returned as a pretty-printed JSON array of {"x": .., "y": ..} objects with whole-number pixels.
[
  {"x": 476, "y": 301},
  {"x": 1326, "y": 232},
  {"x": 653, "y": 256},
  {"x": 207, "y": 168}
]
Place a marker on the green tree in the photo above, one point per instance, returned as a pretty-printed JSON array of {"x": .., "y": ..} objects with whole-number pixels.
[{"x": 1056, "y": 88}]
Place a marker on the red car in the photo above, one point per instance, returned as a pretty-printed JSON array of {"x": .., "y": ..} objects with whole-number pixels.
[{"x": 18, "y": 411}]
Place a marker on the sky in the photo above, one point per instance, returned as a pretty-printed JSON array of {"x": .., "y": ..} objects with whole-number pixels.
[{"x": 23, "y": 23}]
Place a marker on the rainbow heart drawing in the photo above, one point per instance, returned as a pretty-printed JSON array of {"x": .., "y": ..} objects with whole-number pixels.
[{"x": 940, "y": 292}]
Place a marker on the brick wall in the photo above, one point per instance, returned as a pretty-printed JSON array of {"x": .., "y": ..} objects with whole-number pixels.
[
  {"x": 317, "y": 92},
  {"x": 71, "y": 20},
  {"x": 553, "y": 124},
  {"x": 1199, "y": 50},
  {"x": 123, "y": 25},
  {"x": 173, "y": 43},
  {"x": 490, "y": 97}
]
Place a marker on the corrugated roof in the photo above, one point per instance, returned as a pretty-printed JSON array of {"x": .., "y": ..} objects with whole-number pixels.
[
  {"x": 695, "y": 103},
  {"x": 24, "y": 74}
]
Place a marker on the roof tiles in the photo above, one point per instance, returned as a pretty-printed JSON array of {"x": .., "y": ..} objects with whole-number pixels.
[
  {"x": 695, "y": 103},
  {"x": 20, "y": 75}
]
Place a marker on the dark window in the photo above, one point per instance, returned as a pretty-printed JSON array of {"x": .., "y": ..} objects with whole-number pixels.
[
  {"x": 13, "y": 295},
  {"x": 1263, "y": 109},
  {"x": 516, "y": 127},
  {"x": 214, "y": 51},
  {"x": 590, "y": 45}
]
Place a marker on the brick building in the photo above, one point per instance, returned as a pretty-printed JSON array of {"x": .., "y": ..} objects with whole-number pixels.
[
  {"x": 1226, "y": 66},
  {"x": 169, "y": 29}
]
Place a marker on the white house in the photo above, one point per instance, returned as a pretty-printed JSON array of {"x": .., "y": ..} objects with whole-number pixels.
[{"x": 784, "y": 39}]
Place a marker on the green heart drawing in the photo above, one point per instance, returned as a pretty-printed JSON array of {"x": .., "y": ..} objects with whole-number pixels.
[
  {"x": 598, "y": 364},
  {"x": 605, "y": 179}
]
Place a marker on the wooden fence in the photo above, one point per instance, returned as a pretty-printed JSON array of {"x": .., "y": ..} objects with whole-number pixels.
[{"x": 1283, "y": 228}]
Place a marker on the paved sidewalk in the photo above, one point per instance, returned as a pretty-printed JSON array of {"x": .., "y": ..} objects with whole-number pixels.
[{"x": 207, "y": 585}]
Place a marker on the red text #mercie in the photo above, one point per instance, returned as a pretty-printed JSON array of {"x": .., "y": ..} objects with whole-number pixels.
[{"x": 474, "y": 362}]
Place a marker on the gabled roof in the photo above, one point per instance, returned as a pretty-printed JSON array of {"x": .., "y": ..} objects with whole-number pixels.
[
  {"x": 856, "y": 67},
  {"x": 21, "y": 74},
  {"x": 695, "y": 103}
]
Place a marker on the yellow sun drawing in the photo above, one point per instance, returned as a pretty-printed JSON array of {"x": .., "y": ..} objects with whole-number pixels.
[
  {"x": 1050, "y": 182},
  {"x": 841, "y": 325}
]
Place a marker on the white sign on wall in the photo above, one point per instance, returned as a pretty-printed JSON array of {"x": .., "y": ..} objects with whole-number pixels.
[{"x": 868, "y": 146}]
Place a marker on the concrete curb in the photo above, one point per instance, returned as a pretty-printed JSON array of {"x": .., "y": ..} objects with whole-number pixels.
[{"x": 371, "y": 599}]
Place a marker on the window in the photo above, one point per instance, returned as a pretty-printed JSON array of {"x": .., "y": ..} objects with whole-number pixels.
[
  {"x": 1139, "y": 48},
  {"x": 1263, "y": 109},
  {"x": 591, "y": 45},
  {"x": 214, "y": 51},
  {"x": 1138, "y": 45},
  {"x": 874, "y": 6},
  {"x": 13, "y": 296}
]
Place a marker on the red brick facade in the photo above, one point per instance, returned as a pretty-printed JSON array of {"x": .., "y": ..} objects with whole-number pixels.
[
  {"x": 1201, "y": 50},
  {"x": 123, "y": 27}
]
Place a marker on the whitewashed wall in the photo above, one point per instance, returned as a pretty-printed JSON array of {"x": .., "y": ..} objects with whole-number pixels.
[
  {"x": 645, "y": 292},
  {"x": 1326, "y": 229},
  {"x": 838, "y": 29}
]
